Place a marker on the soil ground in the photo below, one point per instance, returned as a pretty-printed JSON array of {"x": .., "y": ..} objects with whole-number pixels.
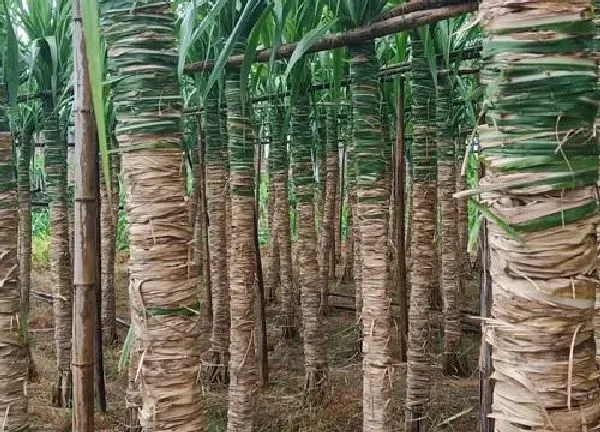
[{"x": 281, "y": 407}]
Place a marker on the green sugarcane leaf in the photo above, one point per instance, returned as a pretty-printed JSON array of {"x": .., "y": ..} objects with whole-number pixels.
[
  {"x": 127, "y": 346},
  {"x": 52, "y": 45},
  {"x": 430, "y": 53},
  {"x": 474, "y": 233},
  {"x": 504, "y": 225},
  {"x": 188, "y": 35},
  {"x": 279, "y": 17},
  {"x": 251, "y": 55},
  {"x": 11, "y": 62},
  {"x": 243, "y": 26},
  {"x": 91, "y": 30},
  {"x": 186, "y": 31},
  {"x": 304, "y": 45}
]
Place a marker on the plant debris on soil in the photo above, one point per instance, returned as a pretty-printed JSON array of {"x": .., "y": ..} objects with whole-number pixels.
[{"x": 281, "y": 407}]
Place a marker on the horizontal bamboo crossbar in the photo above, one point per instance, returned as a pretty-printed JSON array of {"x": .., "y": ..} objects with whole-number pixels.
[{"x": 355, "y": 36}]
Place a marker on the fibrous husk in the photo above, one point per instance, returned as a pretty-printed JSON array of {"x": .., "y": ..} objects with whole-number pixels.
[
  {"x": 449, "y": 244},
  {"x": 242, "y": 365},
  {"x": 422, "y": 240},
  {"x": 327, "y": 226},
  {"x": 278, "y": 163},
  {"x": 315, "y": 362},
  {"x": 163, "y": 287},
  {"x": 216, "y": 184},
  {"x": 372, "y": 210},
  {"x": 540, "y": 198},
  {"x": 60, "y": 256},
  {"x": 140, "y": 45},
  {"x": 13, "y": 364}
]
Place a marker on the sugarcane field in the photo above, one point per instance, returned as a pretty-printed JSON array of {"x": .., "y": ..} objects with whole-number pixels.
[{"x": 299, "y": 215}]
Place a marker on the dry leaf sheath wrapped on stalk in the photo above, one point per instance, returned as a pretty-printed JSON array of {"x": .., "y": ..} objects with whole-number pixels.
[
  {"x": 216, "y": 183},
  {"x": 243, "y": 385},
  {"x": 60, "y": 259},
  {"x": 13, "y": 365},
  {"x": 541, "y": 171},
  {"x": 372, "y": 210},
  {"x": 596, "y": 130},
  {"x": 422, "y": 243},
  {"x": 140, "y": 42},
  {"x": 315, "y": 362},
  {"x": 278, "y": 161}
]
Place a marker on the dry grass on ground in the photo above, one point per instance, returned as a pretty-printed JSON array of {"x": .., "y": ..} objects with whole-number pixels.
[{"x": 281, "y": 408}]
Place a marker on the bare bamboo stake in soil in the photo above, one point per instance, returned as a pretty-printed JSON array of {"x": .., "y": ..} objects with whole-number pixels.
[
  {"x": 486, "y": 388},
  {"x": 202, "y": 253},
  {"x": 99, "y": 381},
  {"x": 85, "y": 244},
  {"x": 400, "y": 222},
  {"x": 262, "y": 352},
  {"x": 109, "y": 213},
  {"x": 211, "y": 187}
]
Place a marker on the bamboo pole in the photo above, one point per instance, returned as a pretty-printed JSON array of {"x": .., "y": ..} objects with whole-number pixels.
[
  {"x": 99, "y": 381},
  {"x": 340, "y": 200},
  {"x": 414, "y": 6},
  {"x": 486, "y": 386},
  {"x": 85, "y": 208},
  {"x": 400, "y": 222},
  {"x": 352, "y": 37},
  {"x": 262, "y": 352}
]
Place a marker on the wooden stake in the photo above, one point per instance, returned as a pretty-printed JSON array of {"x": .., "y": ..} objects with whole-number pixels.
[
  {"x": 486, "y": 386},
  {"x": 399, "y": 222},
  {"x": 262, "y": 352},
  {"x": 85, "y": 208},
  {"x": 413, "y": 6},
  {"x": 100, "y": 383}
]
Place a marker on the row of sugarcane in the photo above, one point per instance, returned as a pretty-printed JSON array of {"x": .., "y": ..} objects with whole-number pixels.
[
  {"x": 301, "y": 155},
  {"x": 538, "y": 196}
]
